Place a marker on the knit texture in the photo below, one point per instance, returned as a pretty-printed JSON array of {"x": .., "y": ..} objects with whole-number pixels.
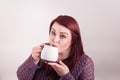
[{"x": 83, "y": 70}]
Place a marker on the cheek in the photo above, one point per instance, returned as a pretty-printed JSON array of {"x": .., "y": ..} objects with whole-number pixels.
[{"x": 65, "y": 45}]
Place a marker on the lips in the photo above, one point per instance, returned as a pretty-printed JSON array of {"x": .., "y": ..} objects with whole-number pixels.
[{"x": 54, "y": 45}]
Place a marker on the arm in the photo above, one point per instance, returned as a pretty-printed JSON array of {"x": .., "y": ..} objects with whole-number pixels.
[
  {"x": 68, "y": 76},
  {"x": 83, "y": 70},
  {"x": 88, "y": 70},
  {"x": 27, "y": 70}
]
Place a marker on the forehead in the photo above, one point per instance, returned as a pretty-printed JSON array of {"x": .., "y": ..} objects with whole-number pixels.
[{"x": 60, "y": 29}]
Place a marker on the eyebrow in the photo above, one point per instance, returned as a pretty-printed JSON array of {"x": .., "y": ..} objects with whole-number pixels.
[{"x": 60, "y": 32}]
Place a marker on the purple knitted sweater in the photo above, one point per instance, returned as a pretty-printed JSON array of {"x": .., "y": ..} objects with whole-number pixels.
[{"x": 83, "y": 70}]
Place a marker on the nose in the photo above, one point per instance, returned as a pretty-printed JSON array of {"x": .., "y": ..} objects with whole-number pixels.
[{"x": 56, "y": 39}]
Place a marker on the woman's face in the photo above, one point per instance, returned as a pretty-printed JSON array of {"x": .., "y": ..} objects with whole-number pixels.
[{"x": 60, "y": 37}]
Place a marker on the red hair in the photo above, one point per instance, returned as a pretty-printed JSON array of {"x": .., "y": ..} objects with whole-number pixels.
[{"x": 76, "y": 43}]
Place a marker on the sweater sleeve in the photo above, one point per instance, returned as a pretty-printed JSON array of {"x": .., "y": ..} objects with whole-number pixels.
[
  {"x": 27, "y": 70},
  {"x": 68, "y": 76},
  {"x": 83, "y": 70},
  {"x": 88, "y": 69}
]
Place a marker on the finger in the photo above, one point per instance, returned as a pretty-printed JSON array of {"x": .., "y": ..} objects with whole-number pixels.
[
  {"x": 52, "y": 64},
  {"x": 61, "y": 63},
  {"x": 37, "y": 49},
  {"x": 56, "y": 67},
  {"x": 41, "y": 46},
  {"x": 35, "y": 55}
]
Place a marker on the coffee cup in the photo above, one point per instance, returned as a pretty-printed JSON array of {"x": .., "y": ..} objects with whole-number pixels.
[{"x": 49, "y": 53}]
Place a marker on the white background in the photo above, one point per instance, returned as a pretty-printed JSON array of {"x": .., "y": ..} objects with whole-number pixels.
[{"x": 25, "y": 23}]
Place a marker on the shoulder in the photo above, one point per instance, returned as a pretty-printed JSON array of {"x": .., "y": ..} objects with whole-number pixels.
[
  {"x": 86, "y": 63},
  {"x": 84, "y": 68},
  {"x": 85, "y": 60}
]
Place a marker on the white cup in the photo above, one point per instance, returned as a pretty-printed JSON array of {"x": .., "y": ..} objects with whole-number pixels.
[{"x": 49, "y": 53}]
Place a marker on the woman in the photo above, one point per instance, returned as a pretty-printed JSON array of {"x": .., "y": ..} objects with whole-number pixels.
[{"x": 73, "y": 63}]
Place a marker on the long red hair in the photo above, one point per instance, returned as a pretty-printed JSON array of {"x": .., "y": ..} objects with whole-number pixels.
[{"x": 76, "y": 43}]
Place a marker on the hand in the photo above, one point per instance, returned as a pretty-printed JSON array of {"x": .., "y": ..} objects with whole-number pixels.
[
  {"x": 60, "y": 68},
  {"x": 36, "y": 53}
]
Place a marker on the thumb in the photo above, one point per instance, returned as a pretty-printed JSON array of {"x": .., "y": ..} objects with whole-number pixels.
[
  {"x": 65, "y": 69},
  {"x": 61, "y": 63}
]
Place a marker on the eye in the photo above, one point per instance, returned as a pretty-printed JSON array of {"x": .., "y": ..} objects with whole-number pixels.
[
  {"x": 52, "y": 33},
  {"x": 62, "y": 36}
]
